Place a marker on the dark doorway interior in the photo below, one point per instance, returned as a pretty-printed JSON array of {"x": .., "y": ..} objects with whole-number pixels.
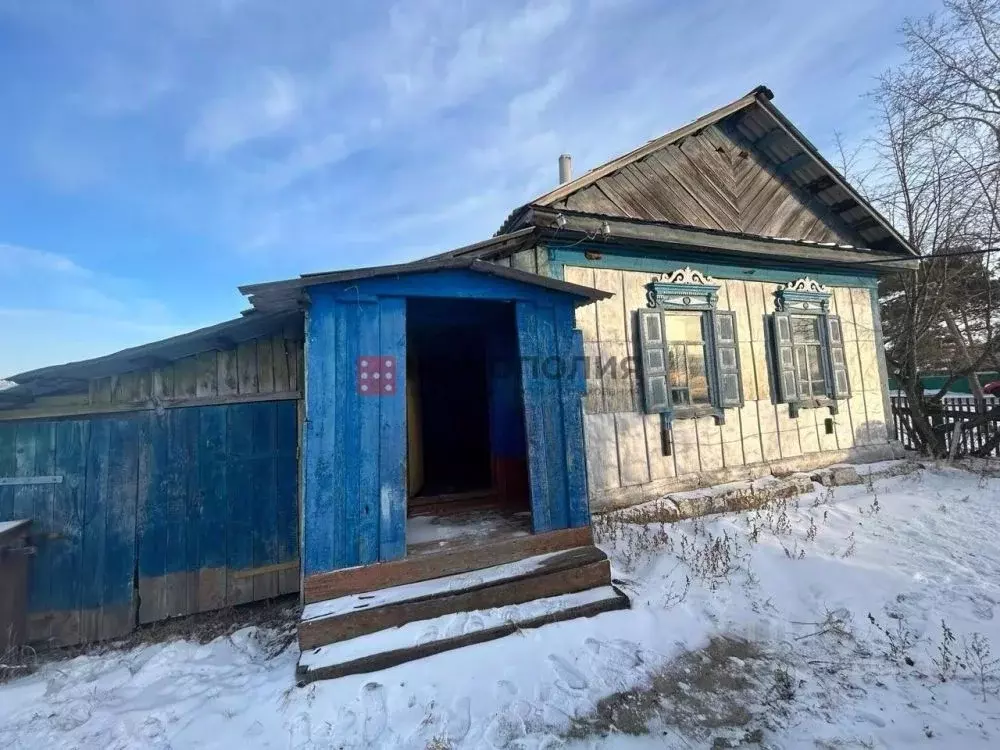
[{"x": 464, "y": 408}]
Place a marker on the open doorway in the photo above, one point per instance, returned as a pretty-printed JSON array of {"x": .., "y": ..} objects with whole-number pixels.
[{"x": 466, "y": 451}]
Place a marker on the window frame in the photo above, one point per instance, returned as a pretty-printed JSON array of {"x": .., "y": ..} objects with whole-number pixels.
[
  {"x": 807, "y": 298},
  {"x": 688, "y": 290}
]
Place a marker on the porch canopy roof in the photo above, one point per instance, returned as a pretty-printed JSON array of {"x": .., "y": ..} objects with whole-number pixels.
[{"x": 279, "y": 296}]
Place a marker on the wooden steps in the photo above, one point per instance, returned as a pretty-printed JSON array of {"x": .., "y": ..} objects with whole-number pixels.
[
  {"x": 381, "y": 628},
  {"x": 425, "y": 562},
  {"x": 415, "y": 640}
]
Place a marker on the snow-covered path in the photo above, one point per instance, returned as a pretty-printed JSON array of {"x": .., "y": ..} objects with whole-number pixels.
[{"x": 798, "y": 580}]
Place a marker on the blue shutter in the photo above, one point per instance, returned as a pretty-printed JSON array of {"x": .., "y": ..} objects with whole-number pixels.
[
  {"x": 784, "y": 358},
  {"x": 727, "y": 360},
  {"x": 840, "y": 386},
  {"x": 653, "y": 343}
]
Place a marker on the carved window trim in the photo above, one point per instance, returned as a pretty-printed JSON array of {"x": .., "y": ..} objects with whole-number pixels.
[
  {"x": 688, "y": 289},
  {"x": 807, "y": 297}
]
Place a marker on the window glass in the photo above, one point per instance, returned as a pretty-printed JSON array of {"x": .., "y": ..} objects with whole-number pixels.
[
  {"x": 808, "y": 355},
  {"x": 687, "y": 358},
  {"x": 684, "y": 326},
  {"x": 805, "y": 328}
]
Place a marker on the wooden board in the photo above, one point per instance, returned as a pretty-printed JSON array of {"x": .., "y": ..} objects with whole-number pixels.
[
  {"x": 457, "y": 559},
  {"x": 569, "y": 572},
  {"x": 714, "y": 179}
]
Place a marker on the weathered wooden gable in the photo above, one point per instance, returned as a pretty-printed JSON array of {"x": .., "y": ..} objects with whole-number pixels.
[{"x": 714, "y": 179}]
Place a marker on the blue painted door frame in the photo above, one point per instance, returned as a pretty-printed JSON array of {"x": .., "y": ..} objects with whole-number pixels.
[{"x": 354, "y": 444}]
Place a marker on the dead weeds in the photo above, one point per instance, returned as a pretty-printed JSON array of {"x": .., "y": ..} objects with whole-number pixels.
[{"x": 729, "y": 692}]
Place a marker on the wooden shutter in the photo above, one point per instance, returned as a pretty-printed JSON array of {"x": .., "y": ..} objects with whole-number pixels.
[
  {"x": 727, "y": 360},
  {"x": 840, "y": 386},
  {"x": 784, "y": 355},
  {"x": 653, "y": 342}
]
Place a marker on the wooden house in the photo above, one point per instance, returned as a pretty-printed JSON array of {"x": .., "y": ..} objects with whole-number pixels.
[{"x": 700, "y": 310}]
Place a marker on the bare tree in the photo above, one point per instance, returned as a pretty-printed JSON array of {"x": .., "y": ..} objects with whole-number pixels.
[{"x": 938, "y": 154}]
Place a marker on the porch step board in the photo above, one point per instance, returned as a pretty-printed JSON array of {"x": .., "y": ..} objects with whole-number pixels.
[
  {"x": 541, "y": 576},
  {"x": 435, "y": 559},
  {"x": 415, "y": 640}
]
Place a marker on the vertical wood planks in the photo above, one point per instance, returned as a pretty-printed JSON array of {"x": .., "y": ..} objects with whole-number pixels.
[
  {"x": 633, "y": 463},
  {"x": 239, "y": 502},
  {"x": 117, "y": 611},
  {"x": 211, "y": 493},
  {"x": 615, "y": 372},
  {"x": 586, "y": 321},
  {"x": 95, "y": 524},
  {"x": 149, "y": 493},
  {"x": 279, "y": 363},
  {"x": 348, "y": 443},
  {"x": 570, "y": 349},
  {"x": 265, "y": 366},
  {"x": 320, "y": 430},
  {"x": 368, "y": 502},
  {"x": 343, "y": 488},
  {"x": 684, "y": 435},
  {"x": 61, "y": 556},
  {"x": 207, "y": 368},
  {"x": 870, "y": 370},
  {"x": 602, "y": 451},
  {"x": 265, "y": 500},
  {"x": 550, "y": 374},
  {"x": 709, "y": 443},
  {"x": 392, "y": 435},
  {"x": 554, "y": 424},
  {"x": 227, "y": 376},
  {"x": 851, "y": 423},
  {"x": 535, "y": 407},
  {"x": 246, "y": 366},
  {"x": 287, "y": 475},
  {"x": 8, "y": 465},
  {"x": 186, "y": 377}
]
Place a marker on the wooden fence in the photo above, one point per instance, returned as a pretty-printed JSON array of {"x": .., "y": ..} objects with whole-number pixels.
[
  {"x": 979, "y": 424},
  {"x": 142, "y": 516}
]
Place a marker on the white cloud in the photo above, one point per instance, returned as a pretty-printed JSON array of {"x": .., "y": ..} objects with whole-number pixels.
[
  {"x": 16, "y": 260},
  {"x": 52, "y": 309},
  {"x": 314, "y": 134},
  {"x": 264, "y": 105}
]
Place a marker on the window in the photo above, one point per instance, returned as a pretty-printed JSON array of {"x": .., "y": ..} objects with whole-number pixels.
[
  {"x": 690, "y": 364},
  {"x": 686, "y": 358},
  {"x": 809, "y": 355},
  {"x": 808, "y": 346}
]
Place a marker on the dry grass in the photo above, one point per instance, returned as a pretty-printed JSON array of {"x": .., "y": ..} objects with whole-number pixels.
[
  {"x": 729, "y": 690},
  {"x": 17, "y": 661}
]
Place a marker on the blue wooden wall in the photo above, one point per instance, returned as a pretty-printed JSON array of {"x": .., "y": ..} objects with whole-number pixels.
[
  {"x": 354, "y": 492},
  {"x": 156, "y": 514},
  {"x": 354, "y": 498},
  {"x": 553, "y": 383}
]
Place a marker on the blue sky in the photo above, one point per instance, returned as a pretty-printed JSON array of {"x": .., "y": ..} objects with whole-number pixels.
[{"x": 157, "y": 154}]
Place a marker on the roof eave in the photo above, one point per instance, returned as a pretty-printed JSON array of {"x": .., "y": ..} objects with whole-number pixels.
[{"x": 574, "y": 226}]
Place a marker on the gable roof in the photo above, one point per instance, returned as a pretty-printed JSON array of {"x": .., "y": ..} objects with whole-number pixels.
[
  {"x": 284, "y": 295},
  {"x": 742, "y": 168}
]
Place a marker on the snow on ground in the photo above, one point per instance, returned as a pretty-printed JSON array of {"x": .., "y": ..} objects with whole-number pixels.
[
  {"x": 791, "y": 585},
  {"x": 6, "y": 526}
]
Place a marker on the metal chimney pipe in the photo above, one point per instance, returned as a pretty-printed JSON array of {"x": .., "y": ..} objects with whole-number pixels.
[{"x": 565, "y": 168}]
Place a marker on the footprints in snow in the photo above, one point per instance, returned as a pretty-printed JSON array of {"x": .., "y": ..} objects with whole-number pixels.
[{"x": 574, "y": 680}]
